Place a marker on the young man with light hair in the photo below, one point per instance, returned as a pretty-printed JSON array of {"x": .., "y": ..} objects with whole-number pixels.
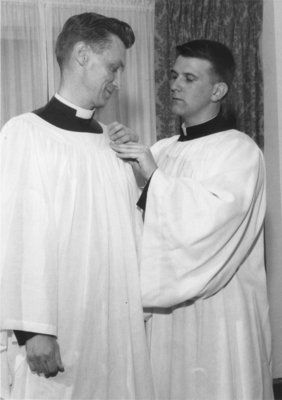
[{"x": 202, "y": 268}]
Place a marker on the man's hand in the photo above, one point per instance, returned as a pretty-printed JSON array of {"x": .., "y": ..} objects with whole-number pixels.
[
  {"x": 119, "y": 133},
  {"x": 143, "y": 160},
  {"x": 43, "y": 355}
]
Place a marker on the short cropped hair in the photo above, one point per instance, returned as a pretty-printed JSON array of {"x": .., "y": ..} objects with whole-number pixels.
[
  {"x": 219, "y": 55},
  {"x": 93, "y": 29}
]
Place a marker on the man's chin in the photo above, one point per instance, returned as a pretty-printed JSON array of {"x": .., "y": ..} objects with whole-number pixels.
[
  {"x": 177, "y": 110},
  {"x": 105, "y": 99},
  {"x": 101, "y": 103}
]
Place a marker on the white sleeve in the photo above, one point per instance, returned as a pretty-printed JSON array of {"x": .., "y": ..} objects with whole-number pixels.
[
  {"x": 198, "y": 232},
  {"x": 28, "y": 235}
]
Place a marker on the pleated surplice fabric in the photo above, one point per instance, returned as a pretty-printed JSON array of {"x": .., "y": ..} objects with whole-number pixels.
[
  {"x": 202, "y": 270},
  {"x": 69, "y": 262}
]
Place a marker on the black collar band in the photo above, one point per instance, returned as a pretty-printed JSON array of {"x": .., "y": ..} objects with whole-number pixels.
[
  {"x": 217, "y": 124},
  {"x": 62, "y": 116}
]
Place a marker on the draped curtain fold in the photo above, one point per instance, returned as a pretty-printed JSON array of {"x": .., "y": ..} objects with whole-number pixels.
[
  {"x": 30, "y": 74},
  {"x": 23, "y": 61},
  {"x": 238, "y": 24}
]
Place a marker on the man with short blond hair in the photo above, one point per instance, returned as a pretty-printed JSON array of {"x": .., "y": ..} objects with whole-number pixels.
[{"x": 202, "y": 267}]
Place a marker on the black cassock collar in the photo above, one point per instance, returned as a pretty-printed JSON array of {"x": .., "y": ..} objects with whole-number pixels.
[
  {"x": 62, "y": 116},
  {"x": 217, "y": 124}
]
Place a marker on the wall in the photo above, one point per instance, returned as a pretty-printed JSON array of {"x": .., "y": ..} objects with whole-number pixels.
[{"x": 272, "y": 66}]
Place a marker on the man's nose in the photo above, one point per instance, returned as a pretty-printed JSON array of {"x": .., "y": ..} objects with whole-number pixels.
[
  {"x": 175, "y": 85},
  {"x": 117, "y": 80}
]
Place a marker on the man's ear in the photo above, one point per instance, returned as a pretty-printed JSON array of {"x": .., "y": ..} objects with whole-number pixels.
[
  {"x": 80, "y": 53},
  {"x": 220, "y": 90}
]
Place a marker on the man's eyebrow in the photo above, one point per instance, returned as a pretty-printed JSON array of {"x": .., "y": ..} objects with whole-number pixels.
[{"x": 186, "y": 74}]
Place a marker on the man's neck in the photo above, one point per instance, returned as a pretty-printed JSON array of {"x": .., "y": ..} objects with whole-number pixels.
[
  {"x": 71, "y": 89},
  {"x": 202, "y": 117},
  {"x": 194, "y": 122},
  {"x": 80, "y": 111}
]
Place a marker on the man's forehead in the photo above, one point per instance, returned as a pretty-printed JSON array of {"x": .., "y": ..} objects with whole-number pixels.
[
  {"x": 117, "y": 50},
  {"x": 114, "y": 54},
  {"x": 117, "y": 43},
  {"x": 191, "y": 65}
]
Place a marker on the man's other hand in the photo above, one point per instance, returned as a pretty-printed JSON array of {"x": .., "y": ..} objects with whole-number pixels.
[
  {"x": 119, "y": 133},
  {"x": 139, "y": 156},
  {"x": 43, "y": 355}
]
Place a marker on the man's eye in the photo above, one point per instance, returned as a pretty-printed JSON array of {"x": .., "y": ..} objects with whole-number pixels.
[
  {"x": 112, "y": 69},
  {"x": 173, "y": 77},
  {"x": 188, "y": 78}
]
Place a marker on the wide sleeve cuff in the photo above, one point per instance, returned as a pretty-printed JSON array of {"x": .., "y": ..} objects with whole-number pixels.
[
  {"x": 141, "y": 203},
  {"x": 23, "y": 336}
]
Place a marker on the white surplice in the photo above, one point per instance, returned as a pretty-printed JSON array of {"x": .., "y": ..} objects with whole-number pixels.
[
  {"x": 203, "y": 270},
  {"x": 69, "y": 262}
]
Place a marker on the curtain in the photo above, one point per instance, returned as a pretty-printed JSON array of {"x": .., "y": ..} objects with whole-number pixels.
[
  {"x": 272, "y": 68},
  {"x": 23, "y": 61},
  {"x": 30, "y": 74},
  {"x": 236, "y": 23}
]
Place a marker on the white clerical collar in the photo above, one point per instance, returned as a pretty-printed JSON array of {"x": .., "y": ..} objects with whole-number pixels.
[
  {"x": 80, "y": 112},
  {"x": 183, "y": 127}
]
